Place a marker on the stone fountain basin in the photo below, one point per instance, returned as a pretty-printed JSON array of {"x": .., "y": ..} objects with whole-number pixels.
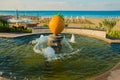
[{"x": 19, "y": 61}]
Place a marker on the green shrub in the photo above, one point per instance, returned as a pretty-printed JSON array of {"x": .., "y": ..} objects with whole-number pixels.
[
  {"x": 113, "y": 34},
  {"x": 45, "y": 25},
  {"x": 7, "y": 29},
  {"x": 20, "y": 30},
  {"x": 27, "y": 31},
  {"x": 109, "y": 24},
  {"x": 4, "y": 27},
  {"x": 100, "y": 24},
  {"x": 66, "y": 25}
]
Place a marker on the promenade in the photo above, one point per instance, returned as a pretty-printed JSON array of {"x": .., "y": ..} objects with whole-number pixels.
[{"x": 101, "y": 35}]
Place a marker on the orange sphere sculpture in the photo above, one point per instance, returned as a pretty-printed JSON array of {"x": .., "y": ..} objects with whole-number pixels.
[{"x": 56, "y": 24}]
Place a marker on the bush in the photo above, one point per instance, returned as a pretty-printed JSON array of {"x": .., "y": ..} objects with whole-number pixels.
[
  {"x": 100, "y": 25},
  {"x": 45, "y": 25},
  {"x": 7, "y": 29},
  {"x": 113, "y": 34},
  {"x": 66, "y": 25},
  {"x": 4, "y": 27},
  {"x": 109, "y": 24},
  {"x": 27, "y": 31},
  {"x": 20, "y": 30}
]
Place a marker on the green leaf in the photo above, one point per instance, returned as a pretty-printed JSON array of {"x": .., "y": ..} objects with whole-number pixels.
[{"x": 58, "y": 14}]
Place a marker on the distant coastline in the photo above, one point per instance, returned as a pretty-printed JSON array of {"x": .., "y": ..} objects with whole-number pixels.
[{"x": 45, "y": 13}]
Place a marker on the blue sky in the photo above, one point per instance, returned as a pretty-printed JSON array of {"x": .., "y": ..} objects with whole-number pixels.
[{"x": 60, "y": 4}]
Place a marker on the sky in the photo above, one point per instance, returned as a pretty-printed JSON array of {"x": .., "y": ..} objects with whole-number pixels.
[{"x": 60, "y": 4}]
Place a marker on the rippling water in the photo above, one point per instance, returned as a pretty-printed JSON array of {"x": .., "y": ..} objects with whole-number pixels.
[{"x": 19, "y": 61}]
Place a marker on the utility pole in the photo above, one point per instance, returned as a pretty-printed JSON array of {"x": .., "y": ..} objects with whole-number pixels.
[{"x": 17, "y": 15}]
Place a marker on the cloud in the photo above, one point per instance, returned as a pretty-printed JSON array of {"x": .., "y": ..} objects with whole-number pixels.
[{"x": 100, "y": 6}]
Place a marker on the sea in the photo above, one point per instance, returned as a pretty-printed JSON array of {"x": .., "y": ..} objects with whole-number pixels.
[{"x": 91, "y": 14}]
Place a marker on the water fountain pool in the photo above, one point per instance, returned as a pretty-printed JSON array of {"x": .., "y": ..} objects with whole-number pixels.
[
  {"x": 42, "y": 48},
  {"x": 18, "y": 61}
]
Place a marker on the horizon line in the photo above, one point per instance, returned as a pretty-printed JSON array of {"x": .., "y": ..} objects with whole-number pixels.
[{"x": 53, "y": 10}]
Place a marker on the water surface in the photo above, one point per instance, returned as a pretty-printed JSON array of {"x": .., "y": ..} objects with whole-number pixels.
[
  {"x": 19, "y": 61},
  {"x": 94, "y": 14}
]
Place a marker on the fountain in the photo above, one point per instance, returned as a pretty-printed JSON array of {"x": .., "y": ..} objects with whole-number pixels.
[
  {"x": 72, "y": 40},
  {"x": 56, "y": 26},
  {"x": 55, "y": 46},
  {"x": 54, "y": 41},
  {"x": 18, "y": 61}
]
